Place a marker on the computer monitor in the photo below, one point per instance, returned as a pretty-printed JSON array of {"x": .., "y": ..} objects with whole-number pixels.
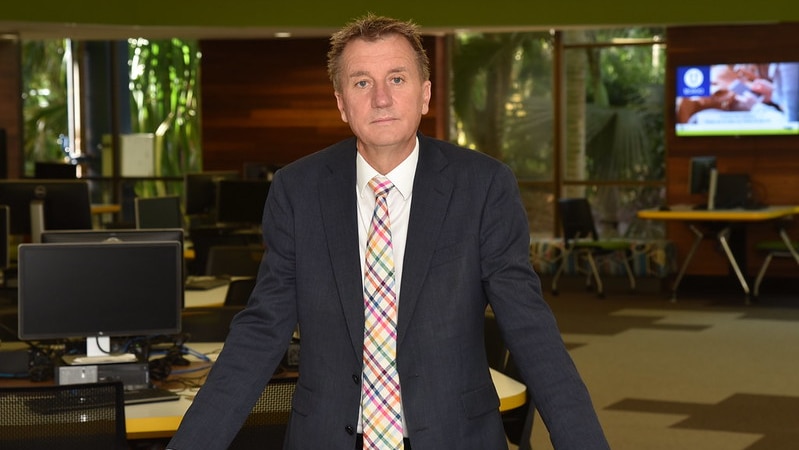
[
  {"x": 701, "y": 168},
  {"x": 200, "y": 190},
  {"x": 37, "y": 205},
  {"x": 116, "y": 235},
  {"x": 159, "y": 212},
  {"x": 241, "y": 201},
  {"x": 5, "y": 246},
  {"x": 55, "y": 170},
  {"x": 99, "y": 290}
]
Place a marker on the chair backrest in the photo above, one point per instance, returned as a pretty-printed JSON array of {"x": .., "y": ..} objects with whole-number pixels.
[
  {"x": 158, "y": 212},
  {"x": 234, "y": 260},
  {"x": 239, "y": 290},
  {"x": 576, "y": 219},
  {"x": 265, "y": 427},
  {"x": 65, "y": 417}
]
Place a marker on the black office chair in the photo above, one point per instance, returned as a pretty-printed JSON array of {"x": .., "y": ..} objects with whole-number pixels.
[
  {"x": 265, "y": 427},
  {"x": 65, "y": 417},
  {"x": 518, "y": 422},
  {"x": 234, "y": 260},
  {"x": 239, "y": 290},
  {"x": 581, "y": 239}
]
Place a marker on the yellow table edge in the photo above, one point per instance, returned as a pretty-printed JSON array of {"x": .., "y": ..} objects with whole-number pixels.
[
  {"x": 513, "y": 401},
  {"x": 152, "y": 427},
  {"x": 768, "y": 213}
]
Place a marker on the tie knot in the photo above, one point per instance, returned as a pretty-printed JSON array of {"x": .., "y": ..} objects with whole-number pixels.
[{"x": 381, "y": 186}]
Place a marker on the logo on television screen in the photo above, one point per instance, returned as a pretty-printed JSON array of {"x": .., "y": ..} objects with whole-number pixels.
[{"x": 693, "y": 81}]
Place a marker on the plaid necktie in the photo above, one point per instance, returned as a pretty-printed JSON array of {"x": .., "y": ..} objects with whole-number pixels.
[{"x": 382, "y": 426}]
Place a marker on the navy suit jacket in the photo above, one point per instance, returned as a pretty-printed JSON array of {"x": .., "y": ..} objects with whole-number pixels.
[{"x": 467, "y": 246}]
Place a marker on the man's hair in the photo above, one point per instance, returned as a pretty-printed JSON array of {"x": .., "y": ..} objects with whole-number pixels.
[{"x": 371, "y": 28}]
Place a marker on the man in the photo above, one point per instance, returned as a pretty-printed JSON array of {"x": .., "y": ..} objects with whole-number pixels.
[{"x": 458, "y": 239}]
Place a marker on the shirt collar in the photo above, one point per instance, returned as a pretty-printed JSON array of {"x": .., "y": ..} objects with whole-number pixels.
[{"x": 402, "y": 175}]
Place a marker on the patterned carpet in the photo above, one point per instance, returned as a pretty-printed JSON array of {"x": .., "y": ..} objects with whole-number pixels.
[{"x": 705, "y": 372}]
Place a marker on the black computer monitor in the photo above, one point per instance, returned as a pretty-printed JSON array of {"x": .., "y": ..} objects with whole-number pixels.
[
  {"x": 159, "y": 212},
  {"x": 5, "y": 239},
  {"x": 116, "y": 235},
  {"x": 55, "y": 171},
  {"x": 241, "y": 201},
  {"x": 99, "y": 290},
  {"x": 701, "y": 168},
  {"x": 59, "y": 204},
  {"x": 113, "y": 235},
  {"x": 200, "y": 190}
]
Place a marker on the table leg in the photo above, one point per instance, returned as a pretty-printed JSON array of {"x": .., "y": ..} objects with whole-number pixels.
[
  {"x": 722, "y": 237},
  {"x": 697, "y": 240}
]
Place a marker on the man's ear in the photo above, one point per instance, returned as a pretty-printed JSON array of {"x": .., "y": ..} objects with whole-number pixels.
[{"x": 340, "y": 106}]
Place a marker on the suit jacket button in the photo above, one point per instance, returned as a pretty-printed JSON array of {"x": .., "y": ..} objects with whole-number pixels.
[
  {"x": 349, "y": 429},
  {"x": 356, "y": 379}
]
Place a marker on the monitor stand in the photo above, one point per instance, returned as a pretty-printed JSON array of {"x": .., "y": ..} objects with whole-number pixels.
[{"x": 96, "y": 353}]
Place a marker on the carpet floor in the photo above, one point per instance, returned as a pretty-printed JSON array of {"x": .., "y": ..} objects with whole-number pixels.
[{"x": 703, "y": 372}]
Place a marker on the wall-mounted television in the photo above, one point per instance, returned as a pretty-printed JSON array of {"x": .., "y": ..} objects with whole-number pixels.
[{"x": 737, "y": 99}]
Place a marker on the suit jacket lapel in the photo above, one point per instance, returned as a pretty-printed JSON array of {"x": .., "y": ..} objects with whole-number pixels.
[
  {"x": 339, "y": 216},
  {"x": 340, "y": 224},
  {"x": 432, "y": 190}
]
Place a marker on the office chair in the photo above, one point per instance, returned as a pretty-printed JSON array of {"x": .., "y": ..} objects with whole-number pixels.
[
  {"x": 238, "y": 291},
  {"x": 265, "y": 427},
  {"x": 518, "y": 422},
  {"x": 158, "y": 212},
  {"x": 774, "y": 249},
  {"x": 65, "y": 417},
  {"x": 234, "y": 260},
  {"x": 581, "y": 239}
]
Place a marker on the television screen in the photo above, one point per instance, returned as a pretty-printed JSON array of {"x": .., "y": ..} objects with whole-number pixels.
[{"x": 737, "y": 99}]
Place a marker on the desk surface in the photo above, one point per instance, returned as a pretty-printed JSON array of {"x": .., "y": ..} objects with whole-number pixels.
[
  {"x": 156, "y": 420},
  {"x": 686, "y": 212}
]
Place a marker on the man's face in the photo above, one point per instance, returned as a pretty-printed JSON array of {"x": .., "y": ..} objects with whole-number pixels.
[{"x": 382, "y": 94}]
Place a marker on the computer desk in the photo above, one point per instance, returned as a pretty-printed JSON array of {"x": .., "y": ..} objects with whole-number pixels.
[
  {"x": 720, "y": 221},
  {"x": 158, "y": 420}
]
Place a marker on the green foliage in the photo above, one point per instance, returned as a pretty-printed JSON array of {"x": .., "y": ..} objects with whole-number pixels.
[
  {"x": 44, "y": 101},
  {"x": 504, "y": 104},
  {"x": 502, "y": 98},
  {"x": 163, "y": 83}
]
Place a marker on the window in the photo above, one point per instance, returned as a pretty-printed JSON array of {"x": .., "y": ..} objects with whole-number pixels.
[{"x": 605, "y": 142}]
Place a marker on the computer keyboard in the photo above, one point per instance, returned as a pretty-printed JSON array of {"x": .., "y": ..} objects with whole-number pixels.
[
  {"x": 73, "y": 400},
  {"x": 203, "y": 282},
  {"x": 149, "y": 395}
]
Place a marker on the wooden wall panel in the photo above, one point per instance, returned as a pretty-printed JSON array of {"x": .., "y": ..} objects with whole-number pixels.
[
  {"x": 270, "y": 101},
  {"x": 771, "y": 161},
  {"x": 11, "y": 107}
]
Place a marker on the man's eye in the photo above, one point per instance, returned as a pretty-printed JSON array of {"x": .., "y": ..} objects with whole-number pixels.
[
  {"x": 362, "y": 84},
  {"x": 397, "y": 80}
]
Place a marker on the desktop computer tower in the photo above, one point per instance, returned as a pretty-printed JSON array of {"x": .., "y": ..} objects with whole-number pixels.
[{"x": 132, "y": 375}]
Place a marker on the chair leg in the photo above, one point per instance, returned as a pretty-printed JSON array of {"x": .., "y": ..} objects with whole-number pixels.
[
  {"x": 600, "y": 290},
  {"x": 564, "y": 259},
  {"x": 630, "y": 275},
  {"x": 761, "y": 274}
]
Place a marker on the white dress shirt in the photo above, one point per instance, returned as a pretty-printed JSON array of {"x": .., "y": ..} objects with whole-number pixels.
[{"x": 399, "y": 209}]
